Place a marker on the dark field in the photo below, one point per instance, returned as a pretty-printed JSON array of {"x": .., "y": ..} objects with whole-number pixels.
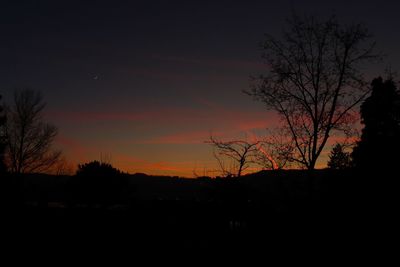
[{"x": 271, "y": 212}]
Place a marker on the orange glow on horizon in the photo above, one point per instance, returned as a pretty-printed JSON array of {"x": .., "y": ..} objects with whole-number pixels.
[{"x": 135, "y": 154}]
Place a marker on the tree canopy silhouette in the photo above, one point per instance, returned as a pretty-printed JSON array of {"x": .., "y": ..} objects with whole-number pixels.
[
  {"x": 380, "y": 139},
  {"x": 314, "y": 81},
  {"x": 98, "y": 182},
  {"x": 29, "y": 139},
  {"x": 96, "y": 168}
]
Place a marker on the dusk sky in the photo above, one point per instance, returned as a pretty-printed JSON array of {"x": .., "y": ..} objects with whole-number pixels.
[{"x": 147, "y": 82}]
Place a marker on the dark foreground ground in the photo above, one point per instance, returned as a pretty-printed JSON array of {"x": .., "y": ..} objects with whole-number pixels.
[{"x": 334, "y": 215}]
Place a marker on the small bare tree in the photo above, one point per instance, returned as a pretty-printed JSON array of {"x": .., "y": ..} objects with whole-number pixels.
[
  {"x": 314, "y": 81},
  {"x": 241, "y": 154},
  {"x": 29, "y": 139}
]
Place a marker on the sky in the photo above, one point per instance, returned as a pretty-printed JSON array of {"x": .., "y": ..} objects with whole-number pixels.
[{"x": 144, "y": 83}]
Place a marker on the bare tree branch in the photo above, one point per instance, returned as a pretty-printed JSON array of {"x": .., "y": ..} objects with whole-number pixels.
[{"x": 314, "y": 81}]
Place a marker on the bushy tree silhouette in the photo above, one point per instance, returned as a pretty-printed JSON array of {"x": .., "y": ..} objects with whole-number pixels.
[
  {"x": 98, "y": 183},
  {"x": 2, "y": 139},
  {"x": 380, "y": 140},
  {"x": 96, "y": 168},
  {"x": 339, "y": 159}
]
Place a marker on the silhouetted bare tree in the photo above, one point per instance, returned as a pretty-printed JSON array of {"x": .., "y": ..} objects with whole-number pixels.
[
  {"x": 240, "y": 153},
  {"x": 29, "y": 139},
  {"x": 314, "y": 81}
]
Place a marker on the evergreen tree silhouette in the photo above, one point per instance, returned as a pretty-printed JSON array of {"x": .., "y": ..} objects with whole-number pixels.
[
  {"x": 380, "y": 140},
  {"x": 339, "y": 159}
]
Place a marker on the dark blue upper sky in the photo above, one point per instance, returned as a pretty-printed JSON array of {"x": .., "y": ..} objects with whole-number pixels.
[{"x": 58, "y": 44}]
